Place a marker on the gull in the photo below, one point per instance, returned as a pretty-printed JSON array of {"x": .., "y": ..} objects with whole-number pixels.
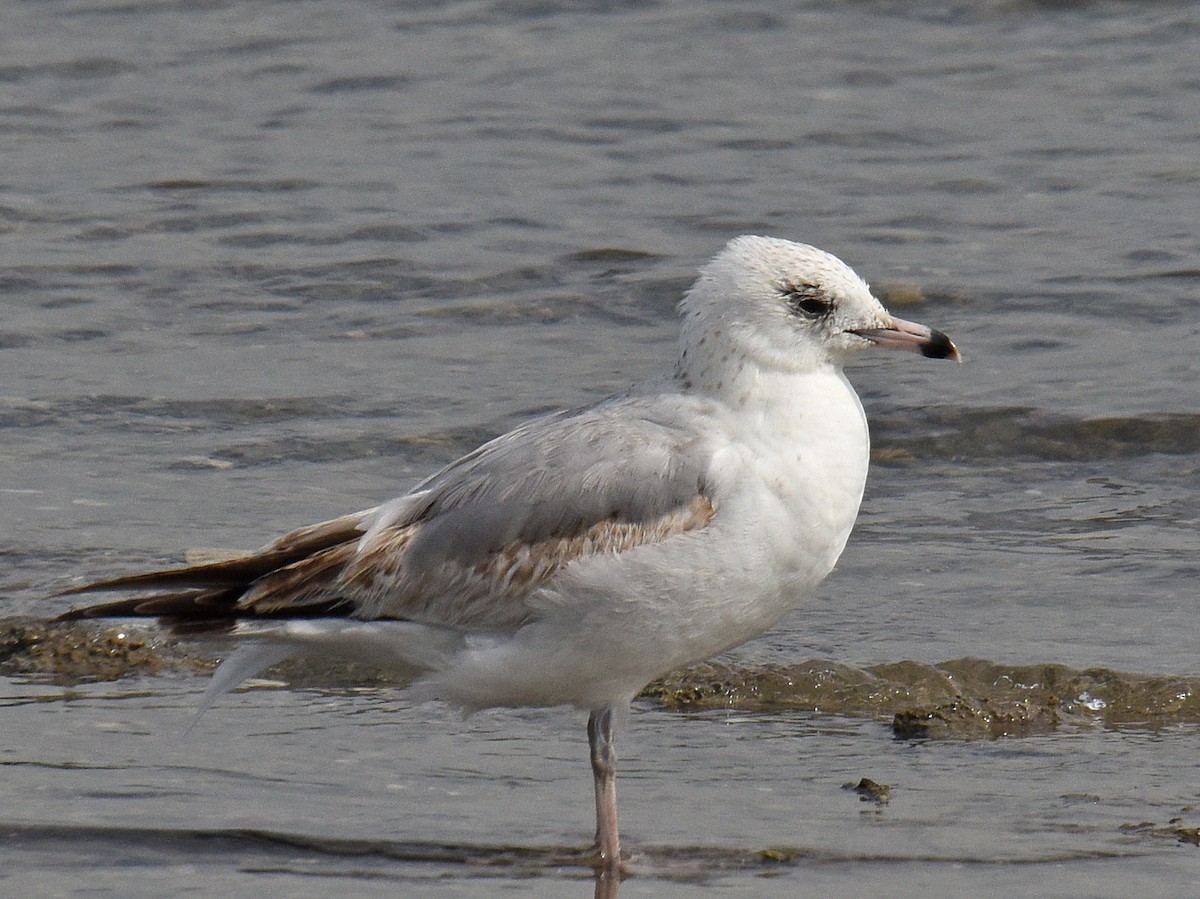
[{"x": 580, "y": 556}]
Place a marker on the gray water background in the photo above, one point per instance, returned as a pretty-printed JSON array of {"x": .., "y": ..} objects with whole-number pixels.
[{"x": 265, "y": 263}]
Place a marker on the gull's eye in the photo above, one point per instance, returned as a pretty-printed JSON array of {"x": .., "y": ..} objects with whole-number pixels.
[{"x": 807, "y": 300}]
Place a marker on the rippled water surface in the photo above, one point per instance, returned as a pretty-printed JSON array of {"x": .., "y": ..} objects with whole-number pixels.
[{"x": 266, "y": 263}]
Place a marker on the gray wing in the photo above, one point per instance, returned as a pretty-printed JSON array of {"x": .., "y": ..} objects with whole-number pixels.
[
  {"x": 471, "y": 543},
  {"x": 631, "y": 459},
  {"x": 468, "y": 545}
]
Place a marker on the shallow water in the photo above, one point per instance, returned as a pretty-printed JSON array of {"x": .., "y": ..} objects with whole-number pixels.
[
  {"x": 265, "y": 264},
  {"x": 290, "y": 792}
]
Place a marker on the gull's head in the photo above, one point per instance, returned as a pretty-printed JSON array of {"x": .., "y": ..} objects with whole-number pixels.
[{"x": 790, "y": 307}]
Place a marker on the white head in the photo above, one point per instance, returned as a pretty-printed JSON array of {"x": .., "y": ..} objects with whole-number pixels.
[{"x": 787, "y": 307}]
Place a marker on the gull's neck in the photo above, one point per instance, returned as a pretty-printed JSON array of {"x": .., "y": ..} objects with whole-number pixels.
[
  {"x": 741, "y": 378},
  {"x": 808, "y": 420}
]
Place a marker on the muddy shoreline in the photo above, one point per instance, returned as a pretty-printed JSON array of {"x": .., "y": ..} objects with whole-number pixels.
[{"x": 965, "y": 699}]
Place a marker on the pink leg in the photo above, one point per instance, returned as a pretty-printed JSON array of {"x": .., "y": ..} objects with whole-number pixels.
[{"x": 604, "y": 770}]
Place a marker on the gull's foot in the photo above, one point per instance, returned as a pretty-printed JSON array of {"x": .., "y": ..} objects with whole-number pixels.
[
  {"x": 610, "y": 870},
  {"x": 606, "y": 865}
]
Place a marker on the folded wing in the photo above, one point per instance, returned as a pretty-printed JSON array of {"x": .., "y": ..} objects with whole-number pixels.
[{"x": 470, "y": 544}]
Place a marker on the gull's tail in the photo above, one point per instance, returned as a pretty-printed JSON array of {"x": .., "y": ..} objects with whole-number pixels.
[
  {"x": 294, "y": 577},
  {"x": 247, "y": 660},
  {"x": 406, "y": 649}
]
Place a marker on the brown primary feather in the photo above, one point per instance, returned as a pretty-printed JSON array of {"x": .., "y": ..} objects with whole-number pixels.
[
  {"x": 291, "y": 547},
  {"x": 314, "y": 579},
  {"x": 322, "y": 570},
  {"x": 178, "y": 603}
]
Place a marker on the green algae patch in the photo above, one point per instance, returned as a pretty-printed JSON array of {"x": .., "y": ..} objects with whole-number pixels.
[
  {"x": 870, "y": 791},
  {"x": 1176, "y": 829},
  {"x": 78, "y": 653},
  {"x": 960, "y": 699},
  {"x": 966, "y": 698},
  {"x": 778, "y": 855}
]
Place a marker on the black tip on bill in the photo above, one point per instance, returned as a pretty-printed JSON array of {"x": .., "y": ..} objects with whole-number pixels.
[{"x": 939, "y": 346}]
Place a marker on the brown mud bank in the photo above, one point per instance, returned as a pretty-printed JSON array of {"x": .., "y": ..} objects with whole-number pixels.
[{"x": 962, "y": 699}]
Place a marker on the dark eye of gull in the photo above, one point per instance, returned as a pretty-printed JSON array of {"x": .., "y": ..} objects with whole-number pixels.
[{"x": 807, "y": 300}]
